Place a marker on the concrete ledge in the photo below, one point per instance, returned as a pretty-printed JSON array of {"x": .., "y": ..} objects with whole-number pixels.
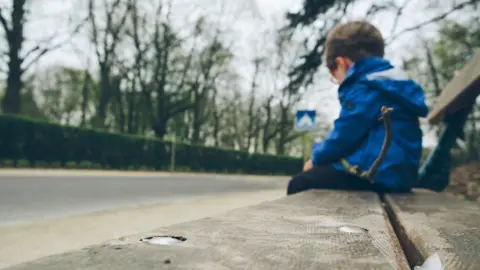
[
  {"x": 34, "y": 240},
  {"x": 311, "y": 230},
  {"x": 428, "y": 223}
]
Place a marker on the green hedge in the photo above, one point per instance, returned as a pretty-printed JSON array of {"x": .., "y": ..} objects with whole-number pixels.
[{"x": 39, "y": 142}]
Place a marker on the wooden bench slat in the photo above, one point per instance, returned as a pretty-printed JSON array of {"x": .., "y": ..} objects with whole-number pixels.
[
  {"x": 459, "y": 92},
  {"x": 295, "y": 232},
  {"x": 430, "y": 223}
]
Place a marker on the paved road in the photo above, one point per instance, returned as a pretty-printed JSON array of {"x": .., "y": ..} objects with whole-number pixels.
[{"x": 27, "y": 197}]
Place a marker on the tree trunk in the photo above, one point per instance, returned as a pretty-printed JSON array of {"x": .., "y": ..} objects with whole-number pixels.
[
  {"x": 197, "y": 111},
  {"x": 11, "y": 101},
  {"x": 86, "y": 80},
  {"x": 256, "y": 138},
  {"x": 131, "y": 102},
  {"x": 216, "y": 130},
  {"x": 283, "y": 131},
  {"x": 160, "y": 129},
  {"x": 120, "y": 106},
  {"x": 251, "y": 105},
  {"x": 101, "y": 113},
  {"x": 268, "y": 134}
]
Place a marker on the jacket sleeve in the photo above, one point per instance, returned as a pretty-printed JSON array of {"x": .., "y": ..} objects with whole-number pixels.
[{"x": 360, "y": 111}]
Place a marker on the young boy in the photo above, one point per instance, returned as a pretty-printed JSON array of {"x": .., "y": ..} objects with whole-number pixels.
[{"x": 354, "y": 55}]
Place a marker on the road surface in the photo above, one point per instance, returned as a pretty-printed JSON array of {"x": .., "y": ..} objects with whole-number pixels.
[{"x": 29, "y": 197}]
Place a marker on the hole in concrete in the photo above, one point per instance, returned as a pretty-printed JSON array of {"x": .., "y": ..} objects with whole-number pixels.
[
  {"x": 163, "y": 240},
  {"x": 352, "y": 229}
]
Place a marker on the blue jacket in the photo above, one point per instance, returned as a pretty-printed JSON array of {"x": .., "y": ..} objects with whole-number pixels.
[{"x": 358, "y": 134}]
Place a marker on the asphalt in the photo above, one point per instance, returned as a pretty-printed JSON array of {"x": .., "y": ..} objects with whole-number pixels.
[{"x": 28, "y": 197}]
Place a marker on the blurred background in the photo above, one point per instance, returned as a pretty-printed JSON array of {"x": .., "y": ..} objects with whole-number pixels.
[{"x": 112, "y": 83}]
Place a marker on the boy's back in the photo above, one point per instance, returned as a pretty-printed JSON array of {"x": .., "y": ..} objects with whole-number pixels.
[
  {"x": 354, "y": 56},
  {"x": 370, "y": 84}
]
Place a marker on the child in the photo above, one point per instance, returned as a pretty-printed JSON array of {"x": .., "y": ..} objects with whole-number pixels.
[{"x": 354, "y": 55}]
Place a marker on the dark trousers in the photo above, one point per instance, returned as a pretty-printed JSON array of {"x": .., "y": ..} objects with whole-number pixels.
[{"x": 327, "y": 177}]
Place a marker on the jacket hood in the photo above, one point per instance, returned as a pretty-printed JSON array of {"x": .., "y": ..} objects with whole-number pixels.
[{"x": 378, "y": 73}]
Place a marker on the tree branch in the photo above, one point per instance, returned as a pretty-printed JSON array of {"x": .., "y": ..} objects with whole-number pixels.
[
  {"x": 3, "y": 57},
  {"x": 187, "y": 66},
  {"x": 123, "y": 19},
  {"x": 179, "y": 107},
  {"x": 47, "y": 49},
  {"x": 4, "y": 22},
  {"x": 94, "y": 29},
  {"x": 398, "y": 15},
  {"x": 432, "y": 20},
  {"x": 39, "y": 55},
  {"x": 374, "y": 9}
]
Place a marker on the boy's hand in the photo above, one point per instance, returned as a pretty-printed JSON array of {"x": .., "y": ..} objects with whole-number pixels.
[{"x": 308, "y": 165}]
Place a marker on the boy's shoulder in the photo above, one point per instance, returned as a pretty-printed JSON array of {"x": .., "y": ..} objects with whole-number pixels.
[
  {"x": 376, "y": 78},
  {"x": 375, "y": 71},
  {"x": 360, "y": 71}
]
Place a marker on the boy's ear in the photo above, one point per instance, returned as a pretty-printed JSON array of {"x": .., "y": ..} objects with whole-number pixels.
[
  {"x": 338, "y": 61},
  {"x": 343, "y": 62}
]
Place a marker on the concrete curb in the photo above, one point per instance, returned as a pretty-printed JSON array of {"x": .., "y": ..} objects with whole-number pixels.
[{"x": 34, "y": 240}]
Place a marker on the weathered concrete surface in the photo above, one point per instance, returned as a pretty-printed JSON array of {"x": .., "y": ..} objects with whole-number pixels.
[
  {"x": 296, "y": 232},
  {"x": 34, "y": 240},
  {"x": 429, "y": 223}
]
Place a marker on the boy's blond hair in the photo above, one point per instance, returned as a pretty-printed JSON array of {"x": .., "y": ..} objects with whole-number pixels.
[{"x": 355, "y": 40}]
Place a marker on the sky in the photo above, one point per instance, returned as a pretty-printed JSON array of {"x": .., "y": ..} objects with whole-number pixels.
[{"x": 247, "y": 23}]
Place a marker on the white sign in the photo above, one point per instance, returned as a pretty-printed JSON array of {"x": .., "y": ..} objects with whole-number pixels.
[{"x": 305, "y": 120}]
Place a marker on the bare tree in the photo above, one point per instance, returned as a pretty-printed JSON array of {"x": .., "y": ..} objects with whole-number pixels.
[
  {"x": 106, "y": 41},
  {"x": 212, "y": 62},
  {"x": 279, "y": 105},
  {"x": 18, "y": 60},
  {"x": 85, "y": 95},
  {"x": 163, "y": 78},
  {"x": 224, "y": 107},
  {"x": 251, "y": 103}
]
